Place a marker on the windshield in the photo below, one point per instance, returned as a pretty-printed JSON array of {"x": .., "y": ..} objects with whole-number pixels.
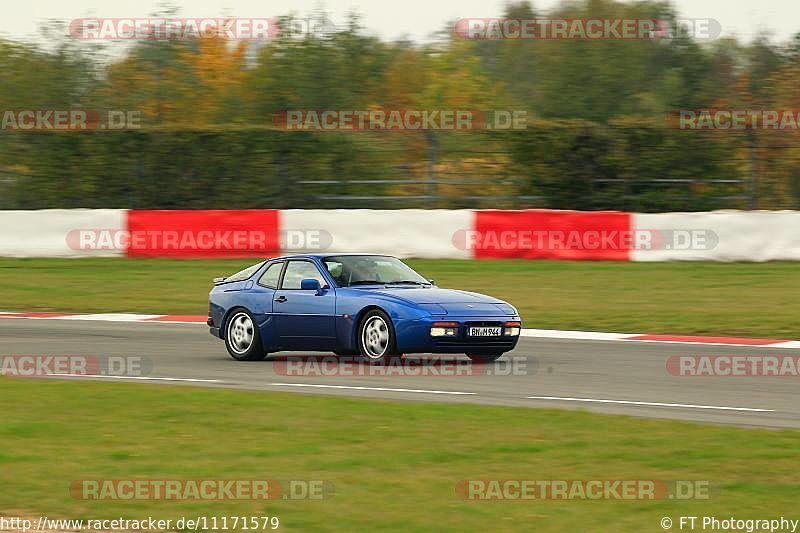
[{"x": 353, "y": 270}]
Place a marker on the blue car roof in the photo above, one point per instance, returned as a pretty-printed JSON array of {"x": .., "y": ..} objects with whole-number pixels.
[{"x": 320, "y": 256}]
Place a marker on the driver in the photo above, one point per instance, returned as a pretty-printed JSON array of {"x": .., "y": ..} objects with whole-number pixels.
[{"x": 364, "y": 271}]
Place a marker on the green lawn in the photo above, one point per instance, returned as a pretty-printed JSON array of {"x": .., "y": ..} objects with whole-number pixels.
[
  {"x": 693, "y": 298},
  {"x": 391, "y": 465}
]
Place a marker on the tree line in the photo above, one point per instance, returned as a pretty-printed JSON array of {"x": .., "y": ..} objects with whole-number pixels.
[{"x": 598, "y": 132}]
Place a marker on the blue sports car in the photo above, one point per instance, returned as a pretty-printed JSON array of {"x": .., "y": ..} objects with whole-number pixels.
[{"x": 374, "y": 307}]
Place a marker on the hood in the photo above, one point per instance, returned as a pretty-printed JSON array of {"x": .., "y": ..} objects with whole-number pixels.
[
  {"x": 450, "y": 301},
  {"x": 435, "y": 295}
]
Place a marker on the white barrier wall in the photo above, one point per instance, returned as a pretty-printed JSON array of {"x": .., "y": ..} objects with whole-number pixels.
[
  {"x": 402, "y": 233},
  {"x": 53, "y": 232},
  {"x": 722, "y": 236}
]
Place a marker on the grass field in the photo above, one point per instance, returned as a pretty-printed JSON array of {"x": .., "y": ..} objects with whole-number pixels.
[
  {"x": 391, "y": 465},
  {"x": 692, "y": 298}
]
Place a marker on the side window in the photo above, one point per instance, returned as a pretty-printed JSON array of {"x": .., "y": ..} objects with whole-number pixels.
[
  {"x": 297, "y": 271},
  {"x": 271, "y": 276}
]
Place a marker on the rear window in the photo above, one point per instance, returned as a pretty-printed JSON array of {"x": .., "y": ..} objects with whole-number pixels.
[{"x": 246, "y": 273}]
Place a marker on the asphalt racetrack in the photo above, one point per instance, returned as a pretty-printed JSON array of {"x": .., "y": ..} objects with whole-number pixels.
[{"x": 629, "y": 378}]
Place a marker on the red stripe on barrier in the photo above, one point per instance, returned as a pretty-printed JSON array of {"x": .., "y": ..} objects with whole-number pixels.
[
  {"x": 203, "y": 233},
  {"x": 549, "y": 234},
  {"x": 705, "y": 340}
]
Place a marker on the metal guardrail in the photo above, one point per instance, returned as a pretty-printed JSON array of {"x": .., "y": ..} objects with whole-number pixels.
[{"x": 428, "y": 193}]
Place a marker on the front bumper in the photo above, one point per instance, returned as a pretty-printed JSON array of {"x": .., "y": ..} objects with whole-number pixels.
[
  {"x": 211, "y": 329},
  {"x": 414, "y": 336}
]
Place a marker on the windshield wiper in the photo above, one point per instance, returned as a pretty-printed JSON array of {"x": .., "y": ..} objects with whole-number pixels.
[
  {"x": 408, "y": 282},
  {"x": 366, "y": 282}
]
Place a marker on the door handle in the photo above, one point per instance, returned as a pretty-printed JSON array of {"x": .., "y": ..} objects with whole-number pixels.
[{"x": 280, "y": 299}]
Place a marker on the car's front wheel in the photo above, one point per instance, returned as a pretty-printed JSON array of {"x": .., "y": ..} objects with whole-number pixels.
[
  {"x": 242, "y": 338},
  {"x": 376, "y": 339},
  {"x": 485, "y": 358}
]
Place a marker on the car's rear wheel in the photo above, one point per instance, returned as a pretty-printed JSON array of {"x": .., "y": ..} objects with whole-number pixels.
[
  {"x": 485, "y": 358},
  {"x": 242, "y": 338},
  {"x": 377, "y": 344}
]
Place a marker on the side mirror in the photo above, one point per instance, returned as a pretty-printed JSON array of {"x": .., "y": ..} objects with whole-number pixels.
[{"x": 310, "y": 285}]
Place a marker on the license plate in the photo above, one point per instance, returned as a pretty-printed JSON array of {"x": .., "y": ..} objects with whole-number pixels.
[{"x": 484, "y": 332}]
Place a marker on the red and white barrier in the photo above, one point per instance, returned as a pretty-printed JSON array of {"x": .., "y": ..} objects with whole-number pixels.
[
  {"x": 402, "y": 233},
  {"x": 58, "y": 232},
  {"x": 459, "y": 234},
  {"x": 551, "y": 234},
  {"x": 206, "y": 233},
  {"x": 721, "y": 236}
]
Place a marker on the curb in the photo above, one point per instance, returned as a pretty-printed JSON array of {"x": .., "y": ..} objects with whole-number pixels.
[{"x": 532, "y": 333}]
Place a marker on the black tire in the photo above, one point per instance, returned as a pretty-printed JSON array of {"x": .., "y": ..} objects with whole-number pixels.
[
  {"x": 242, "y": 338},
  {"x": 377, "y": 344},
  {"x": 485, "y": 358}
]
